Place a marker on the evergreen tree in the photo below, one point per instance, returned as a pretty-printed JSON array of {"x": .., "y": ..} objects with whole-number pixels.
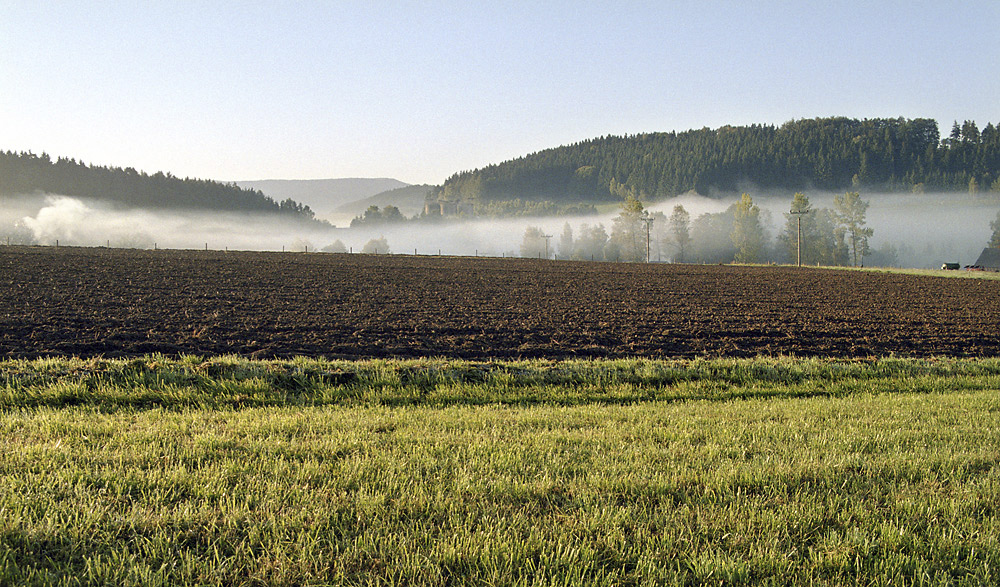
[
  {"x": 27, "y": 173},
  {"x": 834, "y": 153}
]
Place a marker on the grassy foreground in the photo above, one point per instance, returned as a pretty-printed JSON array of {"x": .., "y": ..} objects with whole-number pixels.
[{"x": 306, "y": 472}]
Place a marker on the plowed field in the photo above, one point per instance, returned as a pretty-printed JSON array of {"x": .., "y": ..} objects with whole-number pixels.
[{"x": 87, "y": 302}]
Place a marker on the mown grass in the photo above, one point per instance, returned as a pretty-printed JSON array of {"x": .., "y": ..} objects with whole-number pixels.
[
  {"x": 960, "y": 274},
  {"x": 235, "y": 472}
]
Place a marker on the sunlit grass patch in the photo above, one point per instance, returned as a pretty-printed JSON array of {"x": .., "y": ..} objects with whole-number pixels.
[
  {"x": 235, "y": 382},
  {"x": 429, "y": 472}
]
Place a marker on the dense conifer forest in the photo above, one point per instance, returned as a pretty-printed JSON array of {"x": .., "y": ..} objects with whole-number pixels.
[
  {"x": 28, "y": 173},
  {"x": 836, "y": 154}
]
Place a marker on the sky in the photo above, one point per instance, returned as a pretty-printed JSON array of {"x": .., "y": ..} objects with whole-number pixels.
[{"x": 419, "y": 90}]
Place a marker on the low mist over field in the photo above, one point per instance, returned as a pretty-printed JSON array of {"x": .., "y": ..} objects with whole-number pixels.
[
  {"x": 921, "y": 230},
  {"x": 924, "y": 230},
  {"x": 79, "y": 222},
  {"x": 918, "y": 230}
]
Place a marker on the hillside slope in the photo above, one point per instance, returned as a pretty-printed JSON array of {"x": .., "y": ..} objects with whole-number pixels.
[
  {"x": 29, "y": 174},
  {"x": 324, "y": 196},
  {"x": 833, "y": 154},
  {"x": 409, "y": 199}
]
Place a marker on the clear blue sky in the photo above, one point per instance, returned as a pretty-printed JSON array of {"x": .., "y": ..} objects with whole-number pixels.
[{"x": 241, "y": 90}]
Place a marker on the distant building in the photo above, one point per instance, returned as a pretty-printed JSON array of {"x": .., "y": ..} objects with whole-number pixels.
[{"x": 989, "y": 260}]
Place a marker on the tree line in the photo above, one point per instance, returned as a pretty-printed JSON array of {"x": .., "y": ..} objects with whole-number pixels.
[
  {"x": 835, "y": 236},
  {"x": 27, "y": 173},
  {"x": 832, "y": 154}
]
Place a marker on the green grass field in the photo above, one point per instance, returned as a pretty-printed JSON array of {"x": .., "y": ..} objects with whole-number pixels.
[
  {"x": 961, "y": 274},
  {"x": 233, "y": 472}
]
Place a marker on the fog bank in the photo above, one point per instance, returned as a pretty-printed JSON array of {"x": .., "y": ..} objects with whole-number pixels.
[
  {"x": 923, "y": 230},
  {"x": 77, "y": 222}
]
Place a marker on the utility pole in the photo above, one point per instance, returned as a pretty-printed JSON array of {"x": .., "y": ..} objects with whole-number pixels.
[
  {"x": 546, "y": 237},
  {"x": 648, "y": 220},
  {"x": 798, "y": 238},
  {"x": 798, "y": 211}
]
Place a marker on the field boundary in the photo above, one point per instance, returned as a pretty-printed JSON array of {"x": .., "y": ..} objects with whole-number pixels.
[{"x": 232, "y": 382}]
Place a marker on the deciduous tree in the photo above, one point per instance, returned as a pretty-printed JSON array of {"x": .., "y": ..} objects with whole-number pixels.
[
  {"x": 566, "y": 242},
  {"x": 711, "y": 237},
  {"x": 680, "y": 230},
  {"x": 533, "y": 243},
  {"x": 377, "y": 246},
  {"x": 995, "y": 239},
  {"x": 591, "y": 242},
  {"x": 850, "y": 211},
  {"x": 628, "y": 233},
  {"x": 336, "y": 246},
  {"x": 748, "y": 232}
]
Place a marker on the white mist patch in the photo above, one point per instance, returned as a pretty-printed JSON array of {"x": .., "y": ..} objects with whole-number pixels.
[
  {"x": 69, "y": 220},
  {"x": 62, "y": 218},
  {"x": 925, "y": 230},
  {"x": 496, "y": 237},
  {"x": 694, "y": 204},
  {"x": 501, "y": 236},
  {"x": 928, "y": 230},
  {"x": 76, "y": 222}
]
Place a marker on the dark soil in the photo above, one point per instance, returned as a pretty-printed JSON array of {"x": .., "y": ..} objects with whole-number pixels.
[{"x": 88, "y": 302}]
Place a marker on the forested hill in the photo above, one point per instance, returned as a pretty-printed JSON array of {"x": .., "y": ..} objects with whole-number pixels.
[
  {"x": 27, "y": 173},
  {"x": 895, "y": 154}
]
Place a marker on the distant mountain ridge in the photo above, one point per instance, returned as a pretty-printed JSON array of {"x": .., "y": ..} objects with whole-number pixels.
[
  {"x": 409, "y": 199},
  {"x": 324, "y": 196}
]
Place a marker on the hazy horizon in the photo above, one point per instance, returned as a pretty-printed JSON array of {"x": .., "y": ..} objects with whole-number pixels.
[{"x": 926, "y": 230}]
